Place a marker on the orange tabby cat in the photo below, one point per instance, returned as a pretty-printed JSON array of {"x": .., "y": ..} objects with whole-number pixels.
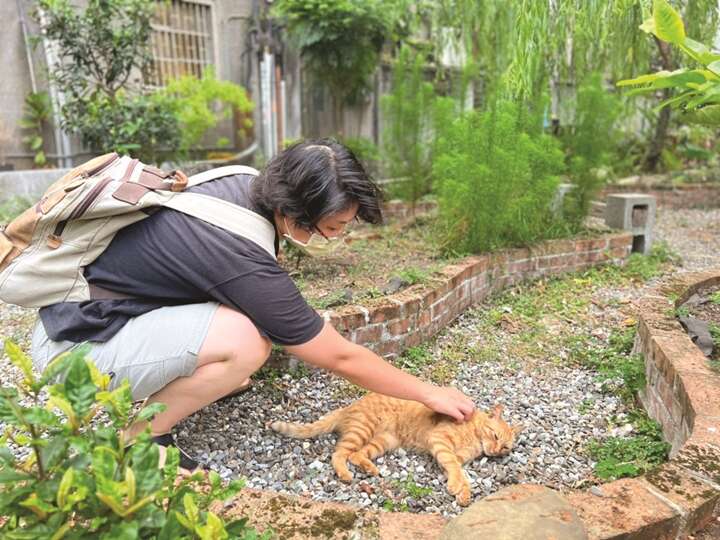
[{"x": 375, "y": 424}]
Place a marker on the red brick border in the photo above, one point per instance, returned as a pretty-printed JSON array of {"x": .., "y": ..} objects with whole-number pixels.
[
  {"x": 418, "y": 312},
  {"x": 683, "y": 394}
]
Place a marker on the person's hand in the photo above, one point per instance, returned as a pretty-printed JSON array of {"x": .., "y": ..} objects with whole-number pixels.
[{"x": 449, "y": 401}]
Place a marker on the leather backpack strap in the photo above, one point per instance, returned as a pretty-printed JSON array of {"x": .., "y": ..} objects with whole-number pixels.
[
  {"x": 228, "y": 216},
  {"x": 219, "y": 172}
]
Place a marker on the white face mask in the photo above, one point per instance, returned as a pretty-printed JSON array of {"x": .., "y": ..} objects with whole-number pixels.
[{"x": 316, "y": 246}]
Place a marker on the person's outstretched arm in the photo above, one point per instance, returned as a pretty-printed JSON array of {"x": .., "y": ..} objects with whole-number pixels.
[{"x": 329, "y": 350}]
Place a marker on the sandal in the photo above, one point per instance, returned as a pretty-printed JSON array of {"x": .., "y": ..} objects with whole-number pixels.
[{"x": 186, "y": 462}]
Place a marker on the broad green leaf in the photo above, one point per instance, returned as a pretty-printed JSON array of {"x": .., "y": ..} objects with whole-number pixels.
[
  {"x": 20, "y": 359},
  {"x": 52, "y": 453},
  {"x": 104, "y": 464},
  {"x": 130, "y": 485},
  {"x": 184, "y": 521},
  {"x": 648, "y": 25},
  {"x": 644, "y": 79},
  {"x": 65, "y": 406},
  {"x": 668, "y": 23},
  {"x": 61, "y": 532},
  {"x": 714, "y": 67},
  {"x": 213, "y": 529},
  {"x": 139, "y": 505},
  {"x": 64, "y": 489},
  {"x": 8, "y": 475},
  {"x": 39, "y": 416},
  {"x": 126, "y": 530},
  {"x": 6, "y": 456},
  {"x": 191, "y": 509},
  {"x": 101, "y": 380},
  {"x": 79, "y": 388},
  {"x": 39, "y": 507},
  {"x": 111, "y": 503},
  {"x": 699, "y": 52},
  {"x": 709, "y": 116},
  {"x": 674, "y": 100},
  {"x": 149, "y": 412}
]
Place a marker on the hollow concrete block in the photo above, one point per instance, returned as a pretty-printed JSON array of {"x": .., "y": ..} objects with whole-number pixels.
[{"x": 634, "y": 212}]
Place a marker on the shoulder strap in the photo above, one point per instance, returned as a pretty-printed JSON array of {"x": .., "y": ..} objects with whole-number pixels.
[
  {"x": 229, "y": 216},
  {"x": 219, "y": 172}
]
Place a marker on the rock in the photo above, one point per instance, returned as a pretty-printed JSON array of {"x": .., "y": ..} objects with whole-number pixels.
[
  {"x": 338, "y": 299},
  {"x": 394, "y": 285},
  {"x": 529, "y": 511},
  {"x": 699, "y": 332}
]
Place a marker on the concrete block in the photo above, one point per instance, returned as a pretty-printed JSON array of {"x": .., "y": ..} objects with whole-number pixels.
[
  {"x": 634, "y": 212},
  {"x": 556, "y": 206}
]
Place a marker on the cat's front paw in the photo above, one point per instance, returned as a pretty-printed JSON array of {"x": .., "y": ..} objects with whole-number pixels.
[
  {"x": 359, "y": 460},
  {"x": 461, "y": 490},
  {"x": 463, "y": 497},
  {"x": 345, "y": 476}
]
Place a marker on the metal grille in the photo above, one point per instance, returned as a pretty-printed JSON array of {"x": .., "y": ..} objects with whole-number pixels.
[{"x": 182, "y": 40}]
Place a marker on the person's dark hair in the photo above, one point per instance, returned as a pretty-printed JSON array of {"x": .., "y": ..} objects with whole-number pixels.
[{"x": 314, "y": 179}]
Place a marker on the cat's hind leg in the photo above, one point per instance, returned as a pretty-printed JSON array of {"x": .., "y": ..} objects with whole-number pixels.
[
  {"x": 350, "y": 442},
  {"x": 377, "y": 446}
]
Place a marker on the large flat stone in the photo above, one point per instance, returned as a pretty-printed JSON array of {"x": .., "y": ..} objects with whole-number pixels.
[{"x": 525, "y": 511}]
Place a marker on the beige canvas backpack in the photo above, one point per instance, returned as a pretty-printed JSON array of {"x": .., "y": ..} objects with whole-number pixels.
[{"x": 44, "y": 250}]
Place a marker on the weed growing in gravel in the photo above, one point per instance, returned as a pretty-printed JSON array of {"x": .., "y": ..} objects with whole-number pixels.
[
  {"x": 415, "y": 359},
  {"x": 413, "y": 275},
  {"x": 715, "y": 298},
  {"x": 620, "y": 372},
  {"x": 409, "y": 489},
  {"x": 620, "y": 457},
  {"x": 586, "y": 406}
]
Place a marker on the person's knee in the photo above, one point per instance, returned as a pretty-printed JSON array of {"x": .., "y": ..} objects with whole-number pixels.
[{"x": 233, "y": 337}]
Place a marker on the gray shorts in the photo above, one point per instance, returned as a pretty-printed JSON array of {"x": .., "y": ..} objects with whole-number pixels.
[{"x": 151, "y": 350}]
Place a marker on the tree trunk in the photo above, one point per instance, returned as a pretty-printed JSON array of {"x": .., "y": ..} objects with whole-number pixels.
[{"x": 657, "y": 144}]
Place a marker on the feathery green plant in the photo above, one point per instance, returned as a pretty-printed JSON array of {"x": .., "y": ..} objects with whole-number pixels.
[{"x": 499, "y": 179}]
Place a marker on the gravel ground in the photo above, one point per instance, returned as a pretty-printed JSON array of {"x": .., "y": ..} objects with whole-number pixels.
[{"x": 561, "y": 407}]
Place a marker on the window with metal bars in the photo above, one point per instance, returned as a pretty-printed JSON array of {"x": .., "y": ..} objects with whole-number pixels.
[{"x": 182, "y": 39}]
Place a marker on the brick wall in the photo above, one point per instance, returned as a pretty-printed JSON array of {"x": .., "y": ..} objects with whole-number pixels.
[{"x": 413, "y": 315}]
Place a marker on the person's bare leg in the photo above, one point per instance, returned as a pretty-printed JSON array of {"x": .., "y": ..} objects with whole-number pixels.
[{"x": 232, "y": 351}]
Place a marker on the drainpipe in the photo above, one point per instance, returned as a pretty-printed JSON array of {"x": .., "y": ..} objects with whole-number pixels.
[
  {"x": 62, "y": 141},
  {"x": 28, "y": 50}
]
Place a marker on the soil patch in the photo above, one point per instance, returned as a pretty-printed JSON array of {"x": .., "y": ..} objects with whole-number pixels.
[{"x": 376, "y": 261}]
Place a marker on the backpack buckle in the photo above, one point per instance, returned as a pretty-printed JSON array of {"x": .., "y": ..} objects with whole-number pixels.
[{"x": 180, "y": 181}]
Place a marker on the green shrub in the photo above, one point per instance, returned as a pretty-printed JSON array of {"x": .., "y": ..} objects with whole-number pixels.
[
  {"x": 589, "y": 146},
  {"x": 498, "y": 181},
  {"x": 340, "y": 41},
  {"x": 199, "y": 104},
  {"x": 103, "y": 70},
  {"x": 71, "y": 475}
]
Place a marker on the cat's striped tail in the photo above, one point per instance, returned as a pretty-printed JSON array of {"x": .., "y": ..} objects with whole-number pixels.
[{"x": 326, "y": 424}]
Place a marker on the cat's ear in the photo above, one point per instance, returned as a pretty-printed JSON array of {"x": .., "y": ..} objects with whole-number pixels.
[
  {"x": 518, "y": 428},
  {"x": 497, "y": 411}
]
